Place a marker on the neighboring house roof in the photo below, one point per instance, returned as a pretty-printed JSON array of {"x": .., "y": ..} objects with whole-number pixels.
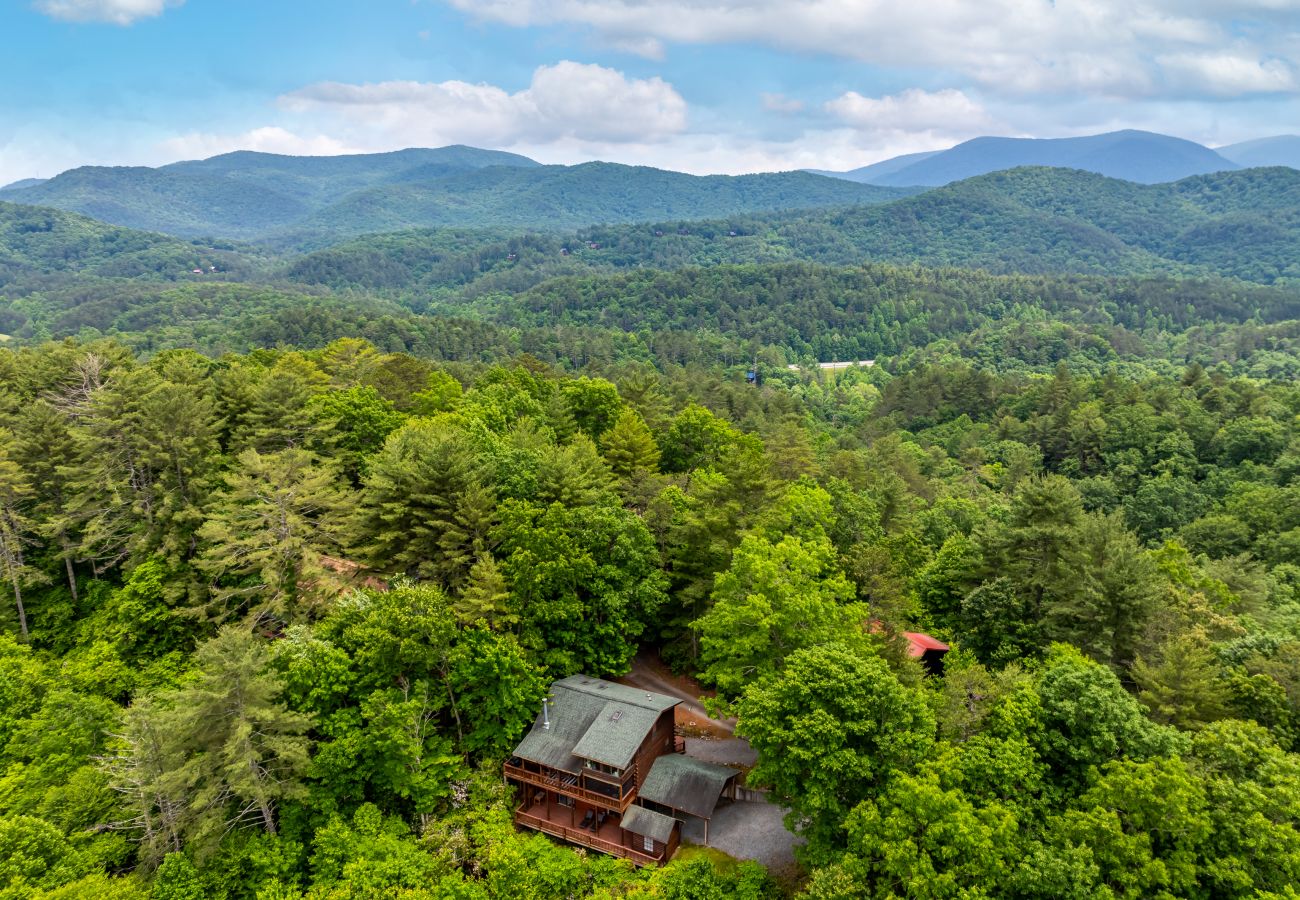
[
  {"x": 592, "y": 719},
  {"x": 688, "y": 785},
  {"x": 648, "y": 823},
  {"x": 918, "y": 643}
]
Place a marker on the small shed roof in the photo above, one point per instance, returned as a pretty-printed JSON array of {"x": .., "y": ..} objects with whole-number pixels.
[
  {"x": 648, "y": 823},
  {"x": 685, "y": 784}
]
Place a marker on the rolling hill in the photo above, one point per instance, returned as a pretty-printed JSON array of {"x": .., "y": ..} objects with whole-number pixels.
[
  {"x": 318, "y": 200},
  {"x": 1242, "y": 224},
  {"x": 1139, "y": 156},
  {"x": 43, "y": 241}
]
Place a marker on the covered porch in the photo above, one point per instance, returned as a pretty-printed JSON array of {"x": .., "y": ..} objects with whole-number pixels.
[{"x": 681, "y": 786}]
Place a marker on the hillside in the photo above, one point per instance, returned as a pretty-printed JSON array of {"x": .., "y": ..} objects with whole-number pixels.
[
  {"x": 241, "y": 194},
  {"x": 1242, "y": 225},
  {"x": 42, "y": 241},
  {"x": 317, "y": 200},
  {"x": 22, "y": 183},
  {"x": 1140, "y": 156}
]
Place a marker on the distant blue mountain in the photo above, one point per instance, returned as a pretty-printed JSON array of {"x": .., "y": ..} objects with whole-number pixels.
[
  {"x": 1139, "y": 156},
  {"x": 870, "y": 174},
  {"x": 24, "y": 183},
  {"x": 1280, "y": 150}
]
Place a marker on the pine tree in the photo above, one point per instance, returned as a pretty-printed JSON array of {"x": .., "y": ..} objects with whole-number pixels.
[
  {"x": 1038, "y": 548},
  {"x": 15, "y": 528},
  {"x": 629, "y": 447},
  {"x": 47, "y": 449},
  {"x": 466, "y": 535},
  {"x": 1181, "y": 685},
  {"x": 212, "y": 756},
  {"x": 267, "y": 533},
  {"x": 486, "y": 596},
  {"x": 254, "y": 747}
]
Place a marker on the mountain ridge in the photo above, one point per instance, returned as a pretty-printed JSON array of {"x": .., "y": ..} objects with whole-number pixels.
[
  {"x": 1143, "y": 157},
  {"x": 316, "y": 200},
  {"x": 1278, "y": 150}
]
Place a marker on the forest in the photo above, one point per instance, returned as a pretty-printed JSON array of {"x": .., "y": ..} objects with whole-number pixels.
[
  {"x": 275, "y": 618},
  {"x": 294, "y": 535}
]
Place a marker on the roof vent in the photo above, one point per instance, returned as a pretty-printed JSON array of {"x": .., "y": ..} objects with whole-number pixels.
[
  {"x": 616, "y": 715},
  {"x": 649, "y": 696}
]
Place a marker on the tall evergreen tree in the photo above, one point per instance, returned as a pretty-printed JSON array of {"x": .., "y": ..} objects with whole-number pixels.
[
  {"x": 629, "y": 447},
  {"x": 267, "y": 533}
]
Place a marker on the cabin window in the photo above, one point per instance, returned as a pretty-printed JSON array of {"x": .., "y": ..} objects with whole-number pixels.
[
  {"x": 649, "y": 844},
  {"x": 601, "y": 767},
  {"x": 565, "y": 801}
]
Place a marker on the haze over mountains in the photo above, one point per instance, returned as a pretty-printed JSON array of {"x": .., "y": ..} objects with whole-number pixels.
[{"x": 1140, "y": 156}]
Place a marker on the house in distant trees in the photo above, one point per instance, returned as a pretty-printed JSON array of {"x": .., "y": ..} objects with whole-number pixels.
[
  {"x": 927, "y": 649},
  {"x": 602, "y": 767}
]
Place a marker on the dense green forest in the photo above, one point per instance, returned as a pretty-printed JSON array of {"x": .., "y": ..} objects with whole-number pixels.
[
  {"x": 201, "y": 701},
  {"x": 1243, "y": 225},
  {"x": 291, "y": 545}
]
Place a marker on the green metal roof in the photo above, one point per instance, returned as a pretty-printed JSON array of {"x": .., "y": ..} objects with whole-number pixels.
[
  {"x": 616, "y": 733},
  {"x": 648, "y": 823},
  {"x": 685, "y": 784},
  {"x": 583, "y": 724}
]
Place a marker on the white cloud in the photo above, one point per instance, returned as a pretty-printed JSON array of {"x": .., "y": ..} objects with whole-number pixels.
[
  {"x": 1117, "y": 47},
  {"x": 941, "y": 112},
  {"x": 568, "y": 100},
  {"x": 1228, "y": 74},
  {"x": 780, "y": 103},
  {"x": 116, "y": 12},
  {"x": 271, "y": 139}
]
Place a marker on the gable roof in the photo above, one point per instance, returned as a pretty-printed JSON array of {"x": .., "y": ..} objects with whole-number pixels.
[
  {"x": 648, "y": 823},
  {"x": 592, "y": 719},
  {"x": 918, "y": 643},
  {"x": 615, "y": 734},
  {"x": 688, "y": 785}
]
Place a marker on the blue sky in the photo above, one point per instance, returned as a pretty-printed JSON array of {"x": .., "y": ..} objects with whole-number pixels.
[{"x": 719, "y": 86}]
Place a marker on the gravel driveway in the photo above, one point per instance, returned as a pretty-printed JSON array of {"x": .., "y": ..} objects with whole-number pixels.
[
  {"x": 748, "y": 831},
  {"x": 726, "y": 752}
]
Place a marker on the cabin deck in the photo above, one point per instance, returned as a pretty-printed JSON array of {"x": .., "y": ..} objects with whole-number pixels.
[{"x": 565, "y": 823}]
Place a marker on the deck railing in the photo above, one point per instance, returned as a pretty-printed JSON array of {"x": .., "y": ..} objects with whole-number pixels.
[
  {"x": 585, "y": 838},
  {"x": 570, "y": 786}
]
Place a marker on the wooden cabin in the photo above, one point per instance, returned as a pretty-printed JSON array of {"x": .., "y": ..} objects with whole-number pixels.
[{"x": 599, "y": 768}]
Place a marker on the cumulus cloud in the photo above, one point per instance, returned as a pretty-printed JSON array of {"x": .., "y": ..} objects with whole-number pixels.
[
  {"x": 1228, "y": 74},
  {"x": 914, "y": 110},
  {"x": 568, "y": 100},
  {"x": 116, "y": 12},
  {"x": 271, "y": 139},
  {"x": 1118, "y": 47}
]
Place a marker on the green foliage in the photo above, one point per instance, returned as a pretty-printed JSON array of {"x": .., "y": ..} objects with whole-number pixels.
[
  {"x": 424, "y": 549},
  {"x": 830, "y": 731},
  {"x": 775, "y": 599}
]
